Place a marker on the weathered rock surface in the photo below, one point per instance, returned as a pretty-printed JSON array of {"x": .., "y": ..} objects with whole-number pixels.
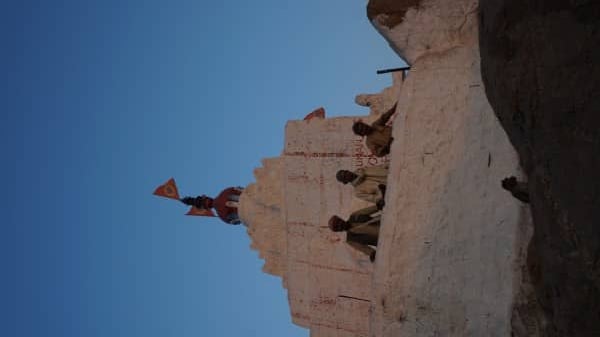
[
  {"x": 453, "y": 243},
  {"x": 415, "y": 28},
  {"x": 539, "y": 61}
]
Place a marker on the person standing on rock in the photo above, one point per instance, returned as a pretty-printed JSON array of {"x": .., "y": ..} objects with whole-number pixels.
[
  {"x": 378, "y": 135},
  {"x": 369, "y": 182},
  {"x": 518, "y": 189},
  {"x": 362, "y": 230}
]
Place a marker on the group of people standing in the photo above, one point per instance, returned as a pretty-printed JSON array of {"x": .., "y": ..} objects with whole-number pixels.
[{"x": 369, "y": 183}]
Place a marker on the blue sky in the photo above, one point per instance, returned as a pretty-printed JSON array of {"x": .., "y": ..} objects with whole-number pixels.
[{"x": 105, "y": 100}]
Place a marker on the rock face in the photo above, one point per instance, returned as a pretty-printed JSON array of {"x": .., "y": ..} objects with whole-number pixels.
[
  {"x": 287, "y": 209},
  {"x": 453, "y": 242},
  {"x": 539, "y": 61},
  {"x": 415, "y": 28},
  {"x": 452, "y": 250}
]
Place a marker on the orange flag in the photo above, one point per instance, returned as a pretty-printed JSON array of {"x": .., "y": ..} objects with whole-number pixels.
[
  {"x": 167, "y": 190},
  {"x": 199, "y": 212},
  {"x": 318, "y": 113}
]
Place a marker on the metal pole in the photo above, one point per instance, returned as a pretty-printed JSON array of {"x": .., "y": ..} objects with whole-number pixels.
[{"x": 385, "y": 71}]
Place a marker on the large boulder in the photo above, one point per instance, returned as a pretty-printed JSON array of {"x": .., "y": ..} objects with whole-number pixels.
[
  {"x": 415, "y": 28},
  {"x": 539, "y": 61}
]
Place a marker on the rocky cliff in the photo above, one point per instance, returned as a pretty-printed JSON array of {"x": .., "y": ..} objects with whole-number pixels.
[
  {"x": 453, "y": 246},
  {"x": 539, "y": 61}
]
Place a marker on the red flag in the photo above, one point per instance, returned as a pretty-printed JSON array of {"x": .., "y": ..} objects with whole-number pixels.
[
  {"x": 167, "y": 190},
  {"x": 318, "y": 113},
  {"x": 200, "y": 212}
]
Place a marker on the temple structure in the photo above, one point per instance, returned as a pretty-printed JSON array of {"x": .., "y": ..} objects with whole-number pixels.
[{"x": 286, "y": 210}]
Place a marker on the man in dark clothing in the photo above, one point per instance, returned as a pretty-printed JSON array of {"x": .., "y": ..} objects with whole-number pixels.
[
  {"x": 518, "y": 189},
  {"x": 362, "y": 229},
  {"x": 378, "y": 135}
]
